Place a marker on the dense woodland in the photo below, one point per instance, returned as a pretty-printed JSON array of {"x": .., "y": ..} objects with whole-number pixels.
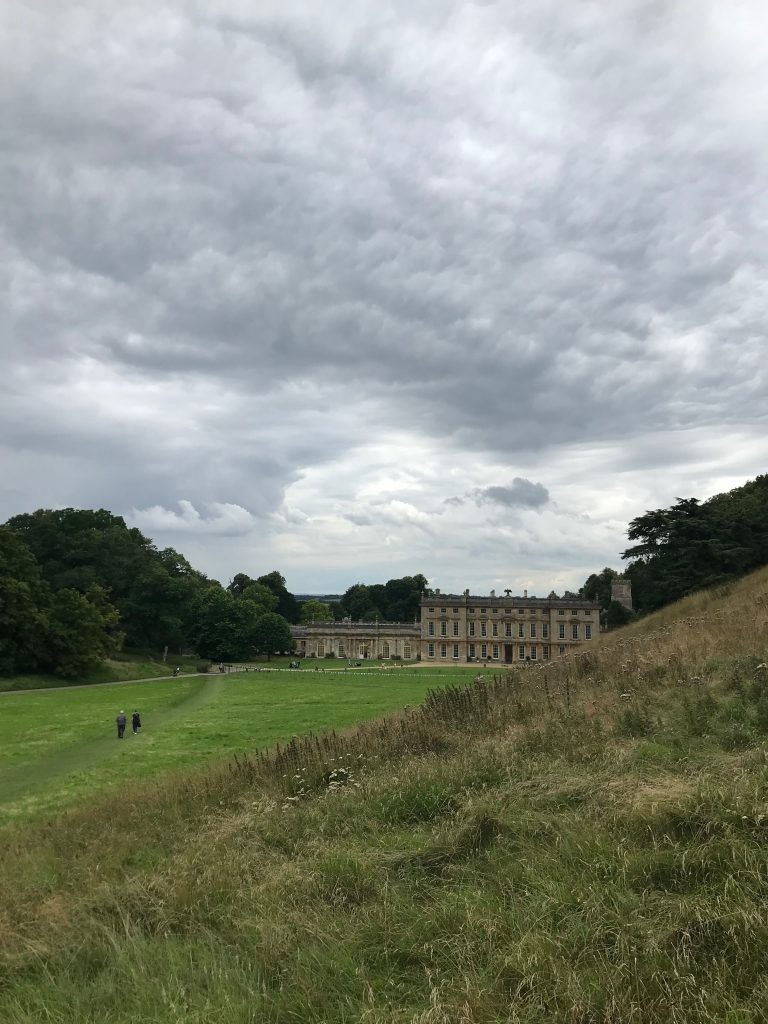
[
  {"x": 76, "y": 585},
  {"x": 689, "y": 546}
]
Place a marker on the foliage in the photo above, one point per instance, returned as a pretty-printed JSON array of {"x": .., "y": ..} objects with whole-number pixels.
[
  {"x": 316, "y": 611},
  {"x": 61, "y": 631},
  {"x": 272, "y": 635},
  {"x": 696, "y": 544},
  {"x": 225, "y": 627},
  {"x": 287, "y": 605},
  {"x": 153, "y": 590},
  {"x": 397, "y": 600}
]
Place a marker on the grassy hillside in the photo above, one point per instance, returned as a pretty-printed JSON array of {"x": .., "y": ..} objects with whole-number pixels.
[{"x": 581, "y": 842}]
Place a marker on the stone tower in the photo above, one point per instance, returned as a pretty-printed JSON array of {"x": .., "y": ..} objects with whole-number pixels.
[{"x": 621, "y": 591}]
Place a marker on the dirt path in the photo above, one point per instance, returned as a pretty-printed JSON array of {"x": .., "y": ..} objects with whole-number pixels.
[{"x": 22, "y": 779}]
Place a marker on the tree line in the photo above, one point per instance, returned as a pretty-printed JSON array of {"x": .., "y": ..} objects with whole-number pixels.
[
  {"x": 689, "y": 546},
  {"x": 77, "y": 585}
]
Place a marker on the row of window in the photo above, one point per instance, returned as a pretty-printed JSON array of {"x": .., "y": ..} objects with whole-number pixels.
[
  {"x": 363, "y": 650},
  {"x": 530, "y": 653},
  {"x": 533, "y": 630},
  {"x": 505, "y": 611}
]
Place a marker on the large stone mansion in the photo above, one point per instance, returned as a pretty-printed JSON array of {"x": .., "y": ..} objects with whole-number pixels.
[{"x": 462, "y": 628}]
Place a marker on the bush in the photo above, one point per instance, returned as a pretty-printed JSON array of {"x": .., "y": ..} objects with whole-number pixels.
[{"x": 203, "y": 666}]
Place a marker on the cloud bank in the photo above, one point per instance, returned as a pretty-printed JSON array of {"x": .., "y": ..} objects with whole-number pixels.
[{"x": 326, "y": 272}]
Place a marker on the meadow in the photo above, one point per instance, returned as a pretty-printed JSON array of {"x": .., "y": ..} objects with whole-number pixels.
[
  {"x": 584, "y": 842},
  {"x": 59, "y": 745}
]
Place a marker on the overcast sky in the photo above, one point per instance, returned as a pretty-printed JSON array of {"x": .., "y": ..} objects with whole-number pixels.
[{"x": 355, "y": 290}]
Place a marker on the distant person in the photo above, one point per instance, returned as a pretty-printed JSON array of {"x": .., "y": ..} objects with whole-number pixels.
[
  {"x": 136, "y": 722},
  {"x": 221, "y": 666},
  {"x": 176, "y": 671},
  {"x": 120, "y": 725}
]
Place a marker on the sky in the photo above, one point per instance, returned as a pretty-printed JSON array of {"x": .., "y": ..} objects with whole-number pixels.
[{"x": 355, "y": 291}]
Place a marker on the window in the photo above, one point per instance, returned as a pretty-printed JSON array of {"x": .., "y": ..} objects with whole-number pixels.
[
  {"x": 483, "y": 611},
  {"x": 443, "y": 650},
  {"x": 471, "y": 629},
  {"x": 520, "y": 611},
  {"x": 341, "y": 649},
  {"x": 560, "y": 611},
  {"x": 561, "y": 631},
  {"x": 495, "y": 651},
  {"x": 495, "y": 611},
  {"x": 587, "y": 630},
  {"x": 430, "y": 610},
  {"x": 471, "y": 650},
  {"x": 520, "y": 630},
  {"x": 534, "y": 650},
  {"x": 431, "y": 650},
  {"x": 484, "y": 651},
  {"x": 406, "y": 651},
  {"x": 545, "y": 630},
  {"x": 562, "y": 649},
  {"x": 575, "y": 611},
  {"x": 443, "y": 629},
  {"x": 455, "y": 650},
  {"x": 575, "y": 631},
  {"x": 507, "y": 629},
  {"x": 385, "y": 649},
  {"x": 483, "y": 629},
  {"x": 521, "y": 652},
  {"x": 471, "y": 611},
  {"x": 455, "y": 629},
  {"x": 442, "y": 611},
  {"x": 321, "y": 648},
  {"x": 431, "y": 629},
  {"x": 455, "y": 611},
  {"x": 545, "y": 652},
  {"x": 495, "y": 629},
  {"x": 533, "y": 630}
]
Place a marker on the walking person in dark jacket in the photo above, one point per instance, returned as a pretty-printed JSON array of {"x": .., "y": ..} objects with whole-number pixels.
[
  {"x": 136, "y": 722},
  {"x": 120, "y": 725}
]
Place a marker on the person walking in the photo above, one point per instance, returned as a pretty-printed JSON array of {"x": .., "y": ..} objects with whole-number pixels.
[
  {"x": 120, "y": 725},
  {"x": 136, "y": 722}
]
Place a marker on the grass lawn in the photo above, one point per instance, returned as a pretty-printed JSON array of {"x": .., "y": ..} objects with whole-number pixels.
[{"x": 59, "y": 745}]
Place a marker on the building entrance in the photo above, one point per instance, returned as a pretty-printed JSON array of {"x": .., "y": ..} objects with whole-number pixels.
[{"x": 508, "y": 649}]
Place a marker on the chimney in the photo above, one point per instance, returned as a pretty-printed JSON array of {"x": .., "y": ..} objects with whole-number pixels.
[
  {"x": 493, "y": 593},
  {"x": 525, "y": 593}
]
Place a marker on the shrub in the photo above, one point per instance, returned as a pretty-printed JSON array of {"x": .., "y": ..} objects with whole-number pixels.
[{"x": 203, "y": 666}]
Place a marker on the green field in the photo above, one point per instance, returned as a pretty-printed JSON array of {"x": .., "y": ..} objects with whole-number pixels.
[{"x": 59, "y": 745}]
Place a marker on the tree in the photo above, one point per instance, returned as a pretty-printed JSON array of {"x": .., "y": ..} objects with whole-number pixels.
[
  {"x": 81, "y": 631},
  {"x": 226, "y": 627},
  {"x": 316, "y": 611},
  {"x": 243, "y": 586},
  {"x": 287, "y": 605},
  {"x": 154, "y": 591},
  {"x": 24, "y": 600},
  {"x": 273, "y": 635},
  {"x": 63, "y": 632}
]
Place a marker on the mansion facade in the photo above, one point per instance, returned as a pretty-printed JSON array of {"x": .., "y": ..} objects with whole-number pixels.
[
  {"x": 460, "y": 629},
  {"x": 358, "y": 641},
  {"x": 470, "y": 627}
]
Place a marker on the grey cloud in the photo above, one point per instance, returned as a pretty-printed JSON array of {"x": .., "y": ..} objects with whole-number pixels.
[
  {"x": 501, "y": 228},
  {"x": 521, "y": 493}
]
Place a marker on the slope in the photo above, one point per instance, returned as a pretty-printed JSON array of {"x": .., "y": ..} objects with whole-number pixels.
[{"x": 582, "y": 842}]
